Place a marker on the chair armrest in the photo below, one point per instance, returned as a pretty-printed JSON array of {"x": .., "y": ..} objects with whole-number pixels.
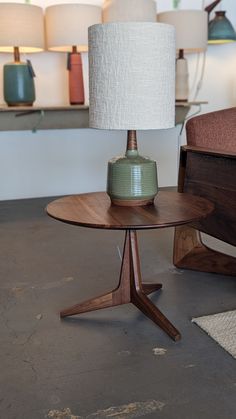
[{"x": 209, "y": 151}]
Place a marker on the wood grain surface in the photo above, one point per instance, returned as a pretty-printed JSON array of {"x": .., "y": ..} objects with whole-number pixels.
[{"x": 96, "y": 211}]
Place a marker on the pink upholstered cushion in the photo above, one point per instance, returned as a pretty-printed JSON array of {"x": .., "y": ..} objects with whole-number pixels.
[{"x": 215, "y": 130}]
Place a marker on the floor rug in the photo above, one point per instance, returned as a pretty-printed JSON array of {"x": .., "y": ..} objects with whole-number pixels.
[{"x": 222, "y": 328}]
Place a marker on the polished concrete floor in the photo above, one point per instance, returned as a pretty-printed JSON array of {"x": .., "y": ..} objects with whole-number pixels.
[{"x": 114, "y": 363}]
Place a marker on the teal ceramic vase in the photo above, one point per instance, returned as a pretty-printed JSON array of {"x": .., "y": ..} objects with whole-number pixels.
[{"x": 18, "y": 82}]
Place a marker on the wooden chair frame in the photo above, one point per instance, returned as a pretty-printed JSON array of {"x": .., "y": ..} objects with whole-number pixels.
[{"x": 210, "y": 174}]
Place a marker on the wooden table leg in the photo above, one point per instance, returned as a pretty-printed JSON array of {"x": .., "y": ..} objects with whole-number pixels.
[
  {"x": 138, "y": 297},
  {"x": 121, "y": 295},
  {"x": 130, "y": 289}
]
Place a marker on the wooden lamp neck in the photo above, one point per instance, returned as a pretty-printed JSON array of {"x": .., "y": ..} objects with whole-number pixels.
[
  {"x": 181, "y": 54},
  {"x": 132, "y": 140},
  {"x": 16, "y": 54}
]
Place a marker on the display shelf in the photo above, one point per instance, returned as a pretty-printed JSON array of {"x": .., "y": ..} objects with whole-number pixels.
[
  {"x": 25, "y": 118},
  {"x": 35, "y": 118},
  {"x": 182, "y": 109}
]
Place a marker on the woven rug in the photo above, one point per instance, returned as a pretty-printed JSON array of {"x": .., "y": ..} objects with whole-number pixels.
[{"x": 222, "y": 328}]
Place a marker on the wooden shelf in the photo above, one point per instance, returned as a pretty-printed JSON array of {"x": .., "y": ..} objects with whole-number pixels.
[
  {"x": 35, "y": 118},
  {"x": 182, "y": 109},
  {"x": 25, "y": 118}
]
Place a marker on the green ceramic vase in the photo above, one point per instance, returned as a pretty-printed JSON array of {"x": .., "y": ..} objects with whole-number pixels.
[
  {"x": 19, "y": 87},
  {"x": 132, "y": 179}
]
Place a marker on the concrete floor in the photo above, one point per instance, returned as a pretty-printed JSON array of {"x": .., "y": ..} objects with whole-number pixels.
[{"x": 109, "y": 364}]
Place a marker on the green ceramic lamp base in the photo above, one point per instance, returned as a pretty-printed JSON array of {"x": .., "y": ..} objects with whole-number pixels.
[
  {"x": 132, "y": 179},
  {"x": 132, "y": 202}
]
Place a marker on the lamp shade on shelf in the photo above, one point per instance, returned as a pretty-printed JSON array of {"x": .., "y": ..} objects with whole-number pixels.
[
  {"x": 132, "y": 76},
  {"x": 191, "y": 28},
  {"x": 21, "y": 30},
  {"x": 21, "y": 25},
  {"x": 67, "y": 31},
  {"x": 131, "y": 84},
  {"x": 67, "y": 26},
  {"x": 129, "y": 10},
  {"x": 220, "y": 29}
]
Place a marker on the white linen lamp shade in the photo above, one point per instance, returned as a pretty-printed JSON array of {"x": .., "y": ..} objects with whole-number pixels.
[
  {"x": 132, "y": 87},
  {"x": 22, "y": 26},
  {"x": 67, "y": 25},
  {"x": 129, "y": 11},
  {"x": 131, "y": 76},
  {"x": 190, "y": 26},
  {"x": 67, "y": 31},
  {"x": 191, "y": 36},
  {"x": 21, "y": 30}
]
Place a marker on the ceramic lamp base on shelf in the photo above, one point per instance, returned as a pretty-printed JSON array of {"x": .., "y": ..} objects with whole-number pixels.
[
  {"x": 18, "y": 83},
  {"x": 76, "y": 83},
  {"x": 182, "y": 80}
]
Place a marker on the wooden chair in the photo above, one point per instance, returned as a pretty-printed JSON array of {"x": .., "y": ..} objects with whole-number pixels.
[{"x": 208, "y": 169}]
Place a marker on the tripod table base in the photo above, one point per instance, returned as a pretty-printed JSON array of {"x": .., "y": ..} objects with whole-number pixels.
[{"x": 130, "y": 290}]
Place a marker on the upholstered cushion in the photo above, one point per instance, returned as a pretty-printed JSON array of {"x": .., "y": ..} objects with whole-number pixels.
[{"x": 215, "y": 130}]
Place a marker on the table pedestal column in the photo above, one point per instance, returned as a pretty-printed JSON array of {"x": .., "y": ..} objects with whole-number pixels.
[{"x": 130, "y": 290}]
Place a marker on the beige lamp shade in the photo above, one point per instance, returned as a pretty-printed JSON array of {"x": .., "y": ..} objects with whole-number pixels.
[
  {"x": 67, "y": 26},
  {"x": 191, "y": 28},
  {"x": 129, "y": 11},
  {"x": 21, "y": 25},
  {"x": 132, "y": 76}
]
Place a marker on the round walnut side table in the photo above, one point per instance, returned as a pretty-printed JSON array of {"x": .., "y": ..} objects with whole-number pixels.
[{"x": 94, "y": 210}]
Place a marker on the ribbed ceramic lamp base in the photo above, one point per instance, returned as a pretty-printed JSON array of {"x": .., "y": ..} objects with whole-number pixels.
[
  {"x": 19, "y": 87},
  {"x": 132, "y": 180},
  {"x": 132, "y": 203}
]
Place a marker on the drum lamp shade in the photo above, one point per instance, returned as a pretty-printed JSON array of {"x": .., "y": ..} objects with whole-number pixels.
[
  {"x": 132, "y": 76},
  {"x": 191, "y": 28},
  {"x": 67, "y": 26},
  {"x": 21, "y": 25},
  {"x": 129, "y": 10}
]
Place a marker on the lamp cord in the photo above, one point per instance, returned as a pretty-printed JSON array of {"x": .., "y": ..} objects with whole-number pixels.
[
  {"x": 199, "y": 85},
  {"x": 195, "y": 75}
]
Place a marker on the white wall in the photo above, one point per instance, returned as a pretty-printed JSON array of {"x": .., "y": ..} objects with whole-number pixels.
[{"x": 56, "y": 162}]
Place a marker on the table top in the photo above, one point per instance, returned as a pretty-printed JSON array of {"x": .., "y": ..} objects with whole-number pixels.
[{"x": 96, "y": 211}]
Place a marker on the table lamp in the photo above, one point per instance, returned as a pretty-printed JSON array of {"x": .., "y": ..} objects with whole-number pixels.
[
  {"x": 67, "y": 31},
  {"x": 129, "y": 11},
  {"x": 132, "y": 87},
  {"x": 191, "y": 36},
  {"x": 220, "y": 29},
  {"x": 21, "y": 31}
]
